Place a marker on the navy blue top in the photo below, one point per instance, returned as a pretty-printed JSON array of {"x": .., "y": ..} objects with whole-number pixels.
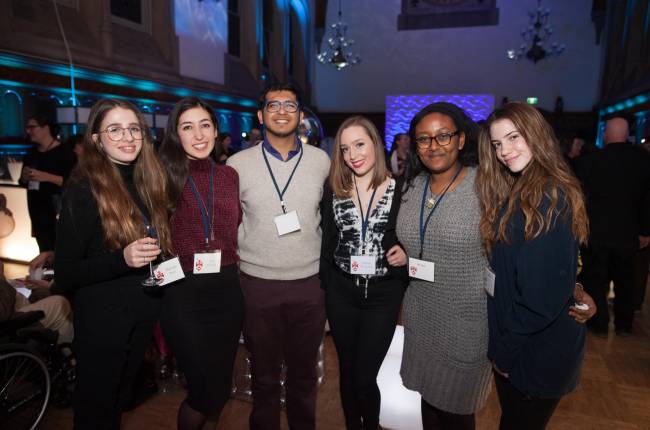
[
  {"x": 274, "y": 152},
  {"x": 532, "y": 336}
]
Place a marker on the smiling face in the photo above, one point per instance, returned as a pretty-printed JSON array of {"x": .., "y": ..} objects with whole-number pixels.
[
  {"x": 358, "y": 150},
  {"x": 280, "y": 123},
  {"x": 126, "y": 149},
  {"x": 435, "y": 157},
  {"x": 196, "y": 133},
  {"x": 511, "y": 148}
]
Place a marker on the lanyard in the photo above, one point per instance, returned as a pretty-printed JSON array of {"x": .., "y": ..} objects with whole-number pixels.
[
  {"x": 206, "y": 215},
  {"x": 277, "y": 188},
  {"x": 424, "y": 224},
  {"x": 364, "y": 220}
]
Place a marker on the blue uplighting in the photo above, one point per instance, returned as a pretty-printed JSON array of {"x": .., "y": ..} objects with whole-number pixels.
[{"x": 119, "y": 80}]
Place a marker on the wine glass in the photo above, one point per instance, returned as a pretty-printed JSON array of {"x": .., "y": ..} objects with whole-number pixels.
[{"x": 151, "y": 282}]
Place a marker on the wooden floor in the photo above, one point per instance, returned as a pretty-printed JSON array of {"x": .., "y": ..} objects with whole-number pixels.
[{"x": 614, "y": 393}]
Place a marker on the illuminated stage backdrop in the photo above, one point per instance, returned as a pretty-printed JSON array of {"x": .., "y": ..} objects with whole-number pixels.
[{"x": 401, "y": 109}]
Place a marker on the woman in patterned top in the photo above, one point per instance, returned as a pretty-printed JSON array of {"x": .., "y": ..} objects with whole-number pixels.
[{"x": 363, "y": 268}]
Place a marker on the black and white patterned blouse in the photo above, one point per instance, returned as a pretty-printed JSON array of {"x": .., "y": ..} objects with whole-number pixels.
[{"x": 348, "y": 221}]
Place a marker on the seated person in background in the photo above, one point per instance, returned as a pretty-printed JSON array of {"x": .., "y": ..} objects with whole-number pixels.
[{"x": 57, "y": 310}]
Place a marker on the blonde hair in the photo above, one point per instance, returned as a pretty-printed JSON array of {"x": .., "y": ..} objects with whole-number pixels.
[
  {"x": 341, "y": 175},
  {"x": 547, "y": 175}
]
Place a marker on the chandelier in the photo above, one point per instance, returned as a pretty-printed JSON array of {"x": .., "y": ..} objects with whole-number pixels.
[
  {"x": 536, "y": 37},
  {"x": 338, "y": 52}
]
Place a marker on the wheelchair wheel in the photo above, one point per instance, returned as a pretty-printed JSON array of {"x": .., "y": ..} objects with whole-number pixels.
[{"x": 24, "y": 390}]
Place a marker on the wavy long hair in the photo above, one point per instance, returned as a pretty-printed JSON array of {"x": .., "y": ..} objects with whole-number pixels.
[
  {"x": 171, "y": 152},
  {"x": 121, "y": 219},
  {"x": 547, "y": 175},
  {"x": 340, "y": 174},
  {"x": 464, "y": 124}
]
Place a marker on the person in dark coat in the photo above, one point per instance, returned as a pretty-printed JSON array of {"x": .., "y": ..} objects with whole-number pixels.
[{"x": 616, "y": 183}]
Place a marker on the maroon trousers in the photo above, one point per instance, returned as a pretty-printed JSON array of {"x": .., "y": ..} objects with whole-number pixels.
[{"x": 284, "y": 320}]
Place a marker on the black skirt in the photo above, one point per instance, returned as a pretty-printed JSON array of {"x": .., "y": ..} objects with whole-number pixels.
[{"x": 202, "y": 319}]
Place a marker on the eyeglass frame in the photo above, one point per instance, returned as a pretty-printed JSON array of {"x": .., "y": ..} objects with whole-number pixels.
[
  {"x": 432, "y": 138},
  {"x": 281, "y": 105},
  {"x": 122, "y": 133}
]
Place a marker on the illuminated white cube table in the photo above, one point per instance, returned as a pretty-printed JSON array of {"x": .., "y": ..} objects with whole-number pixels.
[{"x": 400, "y": 407}]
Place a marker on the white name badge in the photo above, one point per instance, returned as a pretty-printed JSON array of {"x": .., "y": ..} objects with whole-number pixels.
[
  {"x": 421, "y": 269},
  {"x": 33, "y": 185},
  {"x": 362, "y": 265},
  {"x": 488, "y": 281},
  {"x": 169, "y": 271},
  {"x": 207, "y": 262},
  {"x": 287, "y": 223}
]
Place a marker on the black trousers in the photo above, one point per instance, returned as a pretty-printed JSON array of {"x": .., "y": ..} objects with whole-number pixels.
[
  {"x": 437, "y": 419},
  {"x": 202, "y": 319},
  {"x": 113, "y": 327},
  {"x": 602, "y": 264},
  {"x": 362, "y": 329},
  {"x": 520, "y": 411}
]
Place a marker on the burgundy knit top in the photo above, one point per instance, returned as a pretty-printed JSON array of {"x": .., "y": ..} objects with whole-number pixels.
[{"x": 186, "y": 223}]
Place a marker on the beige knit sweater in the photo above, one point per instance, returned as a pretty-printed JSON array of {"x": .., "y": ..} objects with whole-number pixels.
[{"x": 263, "y": 253}]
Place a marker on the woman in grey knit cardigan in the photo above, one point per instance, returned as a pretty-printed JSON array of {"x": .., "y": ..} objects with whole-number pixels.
[{"x": 445, "y": 321}]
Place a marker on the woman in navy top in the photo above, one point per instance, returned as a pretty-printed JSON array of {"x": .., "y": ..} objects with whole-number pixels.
[{"x": 533, "y": 220}]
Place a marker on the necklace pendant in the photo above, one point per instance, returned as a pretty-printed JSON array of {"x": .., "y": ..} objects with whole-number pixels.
[{"x": 430, "y": 202}]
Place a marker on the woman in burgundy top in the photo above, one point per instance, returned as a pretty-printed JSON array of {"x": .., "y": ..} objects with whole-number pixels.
[{"x": 202, "y": 315}]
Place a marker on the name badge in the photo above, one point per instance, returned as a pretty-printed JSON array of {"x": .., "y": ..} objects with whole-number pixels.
[
  {"x": 421, "y": 269},
  {"x": 488, "y": 281},
  {"x": 287, "y": 223},
  {"x": 169, "y": 271},
  {"x": 362, "y": 265},
  {"x": 33, "y": 185},
  {"x": 207, "y": 262}
]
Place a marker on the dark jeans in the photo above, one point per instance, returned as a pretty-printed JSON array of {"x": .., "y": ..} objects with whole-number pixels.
[
  {"x": 113, "y": 327},
  {"x": 521, "y": 411},
  {"x": 437, "y": 419},
  {"x": 362, "y": 329},
  {"x": 283, "y": 320},
  {"x": 603, "y": 264}
]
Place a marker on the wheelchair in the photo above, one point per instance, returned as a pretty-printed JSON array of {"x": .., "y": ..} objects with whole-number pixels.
[{"x": 34, "y": 371}]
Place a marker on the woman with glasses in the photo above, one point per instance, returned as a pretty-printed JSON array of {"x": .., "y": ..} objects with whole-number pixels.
[
  {"x": 116, "y": 194},
  {"x": 363, "y": 268},
  {"x": 45, "y": 167},
  {"x": 202, "y": 315},
  {"x": 444, "y": 310},
  {"x": 533, "y": 220}
]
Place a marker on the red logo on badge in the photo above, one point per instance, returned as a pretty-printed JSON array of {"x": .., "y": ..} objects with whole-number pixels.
[
  {"x": 160, "y": 275},
  {"x": 199, "y": 265},
  {"x": 355, "y": 266},
  {"x": 414, "y": 270}
]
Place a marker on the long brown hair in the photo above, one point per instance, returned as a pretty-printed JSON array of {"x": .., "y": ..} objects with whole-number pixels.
[
  {"x": 172, "y": 155},
  {"x": 341, "y": 174},
  {"x": 121, "y": 219},
  {"x": 547, "y": 175}
]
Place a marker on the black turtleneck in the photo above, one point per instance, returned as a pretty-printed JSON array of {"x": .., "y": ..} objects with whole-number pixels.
[{"x": 81, "y": 256}]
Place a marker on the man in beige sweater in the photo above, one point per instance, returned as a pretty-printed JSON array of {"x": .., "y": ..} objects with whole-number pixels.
[{"x": 281, "y": 184}]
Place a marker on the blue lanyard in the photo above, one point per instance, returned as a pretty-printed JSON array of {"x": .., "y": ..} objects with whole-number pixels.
[
  {"x": 364, "y": 220},
  {"x": 424, "y": 224},
  {"x": 206, "y": 215},
  {"x": 277, "y": 188}
]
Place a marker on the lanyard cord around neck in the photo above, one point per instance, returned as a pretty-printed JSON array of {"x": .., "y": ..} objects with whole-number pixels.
[
  {"x": 364, "y": 220},
  {"x": 424, "y": 224}
]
